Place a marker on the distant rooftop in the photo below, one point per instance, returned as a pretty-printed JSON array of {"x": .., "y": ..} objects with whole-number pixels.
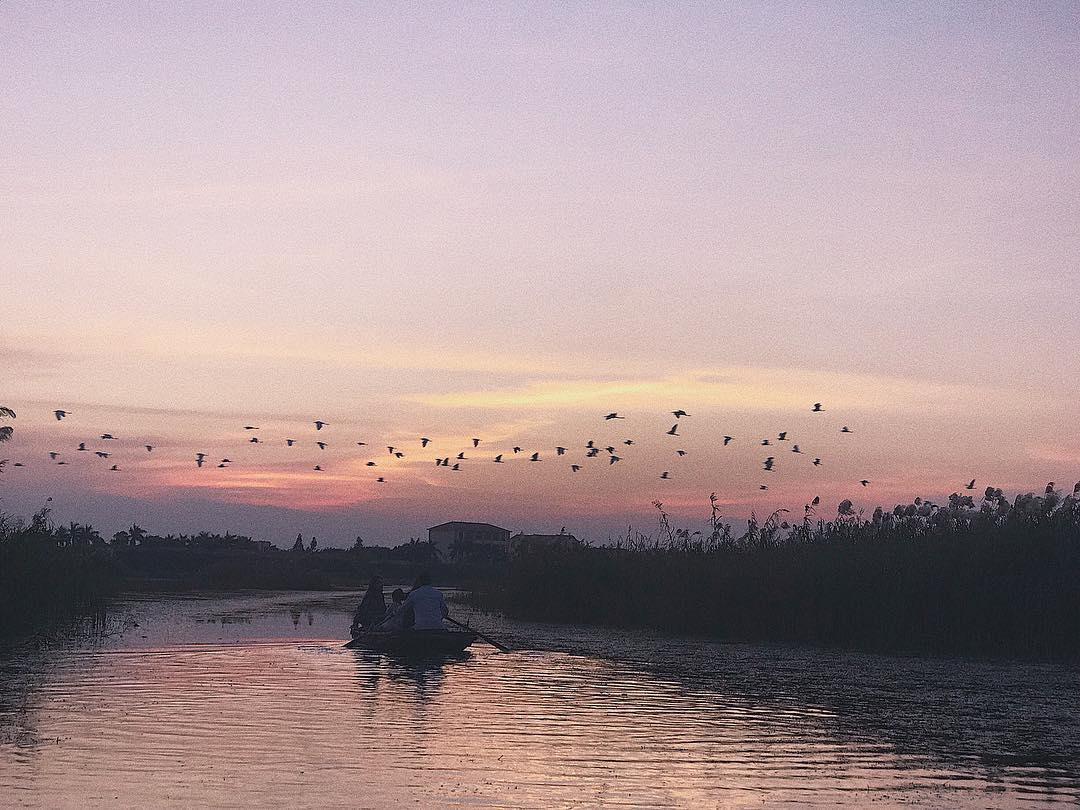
[{"x": 464, "y": 524}]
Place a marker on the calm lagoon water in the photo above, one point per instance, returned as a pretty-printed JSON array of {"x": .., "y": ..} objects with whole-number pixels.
[{"x": 250, "y": 700}]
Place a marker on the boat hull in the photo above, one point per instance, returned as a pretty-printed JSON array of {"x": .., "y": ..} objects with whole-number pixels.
[{"x": 415, "y": 643}]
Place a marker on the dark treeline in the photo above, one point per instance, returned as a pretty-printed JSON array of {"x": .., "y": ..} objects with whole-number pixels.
[{"x": 997, "y": 577}]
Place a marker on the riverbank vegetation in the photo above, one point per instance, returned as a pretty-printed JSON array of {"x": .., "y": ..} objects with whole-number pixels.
[{"x": 994, "y": 577}]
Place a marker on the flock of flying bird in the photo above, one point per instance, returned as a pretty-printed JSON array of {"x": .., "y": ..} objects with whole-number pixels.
[{"x": 453, "y": 463}]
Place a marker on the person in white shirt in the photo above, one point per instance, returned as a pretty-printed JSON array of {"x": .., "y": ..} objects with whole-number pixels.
[{"x": 426, "y": 605}]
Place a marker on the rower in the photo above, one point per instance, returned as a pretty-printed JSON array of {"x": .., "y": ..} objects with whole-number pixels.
[{"x": 425, "y": 605}]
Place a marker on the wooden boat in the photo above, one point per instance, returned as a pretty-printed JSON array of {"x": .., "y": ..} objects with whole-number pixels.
[{"x": 419, "y": 643}]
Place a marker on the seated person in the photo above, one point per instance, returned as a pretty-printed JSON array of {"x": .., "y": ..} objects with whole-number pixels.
[
  {"x": 372, "y": 609},
  {"x": 425, "y": 606},
  {"x": 395, "y": 616}
]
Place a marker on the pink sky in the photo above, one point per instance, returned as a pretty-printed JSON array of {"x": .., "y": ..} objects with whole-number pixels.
[{"x": 505, "y": 221}]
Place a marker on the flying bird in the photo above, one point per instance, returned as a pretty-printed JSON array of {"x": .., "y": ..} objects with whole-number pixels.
[
  {"x": 250, "y": 427},
  {"x": 475, "y": 442},
  {"x": 317, "y": 468},
  {"x": 319, "y": 424},
  {"x": 399, "y": 454},
  {"x": 783, "y": 436},
  {"x": 628, "y": 442},
  {"x": 370, "y": 464},
  {"x": 762, "y": 487},
  {"x": 534, "y": 457},
  {"x": 59, "y": 415},
  {"x": 456, "y": 468},
  {"x": 361, "y": 444},
  {"x": 100, "y": 454},
  {"x": 322, "y": 445},
  {"x": 517, "y": 449},
  {"x": 614, "y": 415},
  {"x": 593, "y": 452},
  {"x": 611, "y": 450},
  {"x": 817, "y": 462},
  {"x": 199, "y": 459},
  {"x": 149, "y": 448},
  {"x": 679, "y": 414},
  {"x": 613, "y": 459},
  {"x": 674, "y": 430},
  {"x": 222, "y": 466},
  {"x": 846, "y": 429},
  {"x": 108, "y": 436},
  {"x": 971, "y": 484},
  {"x": 380, "y": 480},
  {"x": 253, "y": 440},
  {"x": 226, "y": 461},
  {"x": 82, "y": 446},
  {"x": 424, "y": 440},
  {"x": 865, "y": 483},
  {"x": 769, "y": 464},
  {"x": 817, "y": 408},
  {"x": 796, "y": 449},
  {"x": 53, "y": 455},
  {"x": 461, "y": 456},
  {"x": 498, "y": 459},
  {"x": 290, "y": 442},
  {"x": 390, "y": 450},
  {"x": 590, "y": 444},
  {"x": 680, "y": 453},
  {"x": 665, "y": 476},
  {"x": 727, "y": 440},
  {"x": 764, "y": 442},
  {"x": 560, "y": 451},
  {"x": 114, "y": 468},
  {"x": 575, "y": 467},
  {"x": 61, "y": 463}
]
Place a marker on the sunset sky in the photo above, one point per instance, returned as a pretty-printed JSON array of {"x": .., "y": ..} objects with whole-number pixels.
[{"x": 507, "y": 220}]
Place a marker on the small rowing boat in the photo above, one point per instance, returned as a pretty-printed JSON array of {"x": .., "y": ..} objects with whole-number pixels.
[{"x": 414, "y": 642}]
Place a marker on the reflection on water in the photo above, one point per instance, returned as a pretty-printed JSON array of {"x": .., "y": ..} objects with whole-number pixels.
[{"x": 155, "y": 717}]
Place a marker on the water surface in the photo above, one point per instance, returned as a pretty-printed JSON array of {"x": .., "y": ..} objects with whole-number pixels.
[{"x": 250, "y": 700}]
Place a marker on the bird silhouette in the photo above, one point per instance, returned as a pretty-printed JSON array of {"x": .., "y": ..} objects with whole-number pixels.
[
  {"x": 769, "y": 464},
  {"x": 59, "y": 415},
  {"x": 53, "y": 455},
  {"x": 611, "y": 450},
  {"x": 680, "y": 453},
  {"x": 475, "y": 442},
  {"x": 380, "y": 480},
  {"x": 82, "y": 447},
  {"x": 498, "y": 459},
  {"x": 61, "y": 463},
  {"x": 16, "y": 464},
  {"x": 865, "y": 483},
  {"x": 628, "y": 442},
  {"x": 817, "y": 462},
  {"x": 674, "y": 430},
  {"x": 253, "y": 440},
  {"x": 199, "y": 459},
  {"x": 727, "y": 440},
  {"x": 679, "y": 414},
  {"x": 398, "y": 454},
  {"x": 590, "y": 444},
  {"x": 795, "y": 449},
  {"x": 783, "y": 436},
  {"x": 424, "y": 440},
  {"x": 613, "y": 459},
  {"x": 534, "y": 457},
  {"x": 370, "y": 464},
  {"x": 665, "y": 476},
  {"x": 846, "y": 429},
  {"x": 226, "y": 461},
  {"x": 361, "y": 444},
  {"x": 250, "y": 427},
  {"x": 149, "y": 448},
  {"x": 319, "y": 424},
  {"x": 322, "y": 445},
  {"x": 114, "y": 468},
  {"x": 461, "y": 456},
  {"x": 517, "y": 449},
  {"x": 222, "y": 466},
  {"x": 390, "y": 450},
  {"x": 593, "y": 452},
  {"x": 290, "y": 442},
  {"x": 456, "y": 468},
  {"x": 108, "y": 437},
  {"x": 614, "y": 415},
  {"x": 764, "y": 442},
  {"x": 971, "y": 484},
  {"x": 575, "y": 467},
  {"x": 817, "y": 408},
  {"x": 317, "y": 468},
  {"x": 100, "y": 454},
  {"x": 762, "y": 487},
  {"x": 560, "y": 451}
]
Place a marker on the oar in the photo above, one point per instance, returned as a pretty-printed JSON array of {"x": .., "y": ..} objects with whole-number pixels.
[{"x": 491, "y": 641}]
